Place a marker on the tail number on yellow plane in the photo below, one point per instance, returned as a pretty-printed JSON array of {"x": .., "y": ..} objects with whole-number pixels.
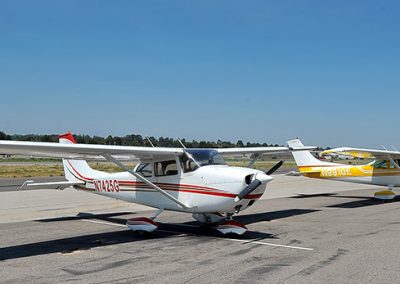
[
  {"x": 106, "y": 185},
  {"x": 334, "y": 172}
]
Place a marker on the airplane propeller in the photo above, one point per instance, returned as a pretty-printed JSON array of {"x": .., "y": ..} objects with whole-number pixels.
[
  {"x": 248, "y": 189},
  {"x": 274, "y": 168},
  {"x": 256, "y": 182}
]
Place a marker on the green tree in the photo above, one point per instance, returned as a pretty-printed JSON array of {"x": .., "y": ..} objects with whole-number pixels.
[{"x": 239, "y": 143}]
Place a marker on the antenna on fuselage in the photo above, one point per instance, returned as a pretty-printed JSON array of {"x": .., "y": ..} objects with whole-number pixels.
[
  {"x": 148, "y": 139},
  {"x": 180, "y": 142}
]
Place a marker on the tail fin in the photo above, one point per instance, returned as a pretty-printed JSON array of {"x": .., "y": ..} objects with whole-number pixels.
[
  {"x": 304, "y": 158},
  {"x": 75, "y": 170}
]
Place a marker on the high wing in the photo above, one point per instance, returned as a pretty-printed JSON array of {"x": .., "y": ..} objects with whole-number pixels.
[
  {"x": 365, "y": 153},
  {"x": 260, "y": 150},
  {"x": 97, "y": 152},
  {"x": 85, "y": 151}
]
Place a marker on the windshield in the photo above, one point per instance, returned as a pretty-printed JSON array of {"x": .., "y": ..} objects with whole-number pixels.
[
  {"x": 205, "y": 157},
  {"x": 196, "y": 158}
]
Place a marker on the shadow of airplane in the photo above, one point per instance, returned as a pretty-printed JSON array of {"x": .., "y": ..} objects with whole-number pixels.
[
  {"x": 165, "y": 230},
  {"x": 85, "y": 215},
  {"x": 268, "y": 216},
  {"x": 362, "y": 202},
  {"x": 300, "y": 195}
]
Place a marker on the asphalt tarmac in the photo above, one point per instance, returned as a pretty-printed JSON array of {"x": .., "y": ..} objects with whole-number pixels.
[{"x": 301, "y": 231}]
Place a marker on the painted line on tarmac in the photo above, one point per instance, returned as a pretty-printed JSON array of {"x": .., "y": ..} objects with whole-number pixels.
[
  {"x": 225, "y": 239},
  {"x": 254, "y": 242},
  {"x": 267, "y": 244}
]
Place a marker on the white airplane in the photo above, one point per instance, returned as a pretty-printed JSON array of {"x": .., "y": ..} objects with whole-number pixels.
[
  {"x": 384, "y": 170},
  {"x": 195, "y": 181}
]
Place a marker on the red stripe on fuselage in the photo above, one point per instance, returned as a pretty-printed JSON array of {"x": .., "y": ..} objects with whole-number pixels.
[
  {"x": 173, "y": 187},
  {"x": 220, "y": 194},
  {"x": 81, "y": 176}
]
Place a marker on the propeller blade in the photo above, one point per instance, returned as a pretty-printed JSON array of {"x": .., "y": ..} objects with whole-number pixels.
[
  {"x": 274, "y": 168},
  {"x": 248, "y": 189}
]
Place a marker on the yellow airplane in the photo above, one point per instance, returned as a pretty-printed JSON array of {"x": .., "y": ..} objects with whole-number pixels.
[{"x": 384, "y": 170}]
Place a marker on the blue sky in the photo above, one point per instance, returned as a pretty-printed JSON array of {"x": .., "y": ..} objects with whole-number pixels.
[{"x": 263, "y": 71}]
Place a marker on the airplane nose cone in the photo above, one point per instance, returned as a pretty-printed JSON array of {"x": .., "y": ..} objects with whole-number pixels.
[{"x": 264, "y": 178}]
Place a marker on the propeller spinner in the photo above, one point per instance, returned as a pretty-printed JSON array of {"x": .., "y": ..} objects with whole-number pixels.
[{"x": 258, "y": 180}]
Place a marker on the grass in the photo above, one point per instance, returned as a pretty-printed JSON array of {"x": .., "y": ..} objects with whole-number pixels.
[
  {"x": 29, "y": 160},
  {"x": 8, "y": 171},
  {"x": 56, "y": 169},
  {"x": 38, "y": 170},
  {"x": 261, "y": 165},
  {"x": 46, "y": 170}
]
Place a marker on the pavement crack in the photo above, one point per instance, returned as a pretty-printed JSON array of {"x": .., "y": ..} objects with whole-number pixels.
[
  {"x": 321, "y": 264},
  {"x": 108, "y": 266}
]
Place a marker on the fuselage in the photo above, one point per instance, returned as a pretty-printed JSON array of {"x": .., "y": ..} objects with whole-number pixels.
[
  {"x": 375, "y": 173},
  {"x": 209, "y": 188}
]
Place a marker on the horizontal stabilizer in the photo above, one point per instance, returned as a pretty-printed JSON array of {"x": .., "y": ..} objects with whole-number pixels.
[{"x": 31, "y": 185}]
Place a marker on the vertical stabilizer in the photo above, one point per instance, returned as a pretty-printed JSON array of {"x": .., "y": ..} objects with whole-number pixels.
[
  {"x": 304, "y": 158},
  {"x": 75, "y": 169}
]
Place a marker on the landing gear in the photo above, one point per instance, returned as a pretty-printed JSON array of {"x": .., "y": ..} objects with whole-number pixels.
[
  {"x": 209, "y": 218},
  {"x": 144, "y": 224},
  {"x": 385, "y": 194},
  {"x": 231, "y": 227},
  {"x": 223, "y": 224}
]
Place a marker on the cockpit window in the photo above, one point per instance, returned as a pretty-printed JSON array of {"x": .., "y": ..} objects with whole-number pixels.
[
  {"x": 386, "y": 164},
  {"x": 188, "y": 164},
  {"x": 145, "y": 170},
  {"x": 166, "y": 168},
  {"x": 195, "y": 158},
  {"x": 394, "y": 164},
  {"x": 380, "y": 164}
]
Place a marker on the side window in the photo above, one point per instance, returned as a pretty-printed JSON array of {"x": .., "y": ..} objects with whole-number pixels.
[
  {"x": 145, "y": 170},
  {"x": 188, "y": 165},
  {"x": 380, "y": 165},
  {"x": 393, "y": 165},
  {"x": 165, "y": 168}
]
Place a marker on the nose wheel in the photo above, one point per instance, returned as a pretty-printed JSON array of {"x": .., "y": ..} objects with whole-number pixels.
[{"x": 231, "y": 227}]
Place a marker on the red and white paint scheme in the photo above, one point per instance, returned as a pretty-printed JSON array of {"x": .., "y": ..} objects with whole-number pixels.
[
  {"x": 232, "y": 227},
  {"x": 195, "y": 181},
  {"x": 142, "y": 224}
]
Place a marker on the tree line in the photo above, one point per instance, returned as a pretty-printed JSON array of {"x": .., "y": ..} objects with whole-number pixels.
[{"x": 134, "y": 140}]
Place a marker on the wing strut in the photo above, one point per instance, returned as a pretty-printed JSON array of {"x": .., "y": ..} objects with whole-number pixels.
[
  {"x": 252, "y": 162},
  {"x": 145, "y": 180},
  {"x": 394, "y": 162}
]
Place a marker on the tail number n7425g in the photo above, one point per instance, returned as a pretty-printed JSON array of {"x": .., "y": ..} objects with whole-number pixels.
[{"x": 106, "y": 185}]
